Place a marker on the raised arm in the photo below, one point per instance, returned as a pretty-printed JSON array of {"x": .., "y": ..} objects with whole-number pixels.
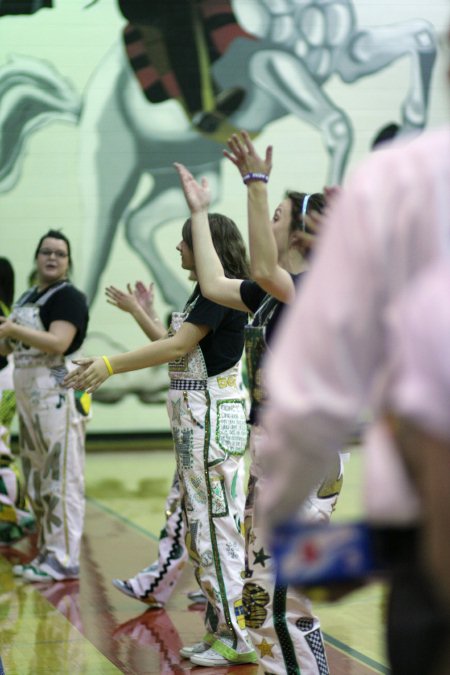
[
  {"x": 264, "y": 264},
  {"x": 93, "y": 371},
  {"x": 138, "y": 303},
  {"x": 209, "y": 270}
]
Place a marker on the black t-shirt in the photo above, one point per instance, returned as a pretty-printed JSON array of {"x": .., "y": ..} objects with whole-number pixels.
[
  {"x": 67, "y": 304},
  {"x": 253, "y": 296},
  {"x": 223, "y": 346}
]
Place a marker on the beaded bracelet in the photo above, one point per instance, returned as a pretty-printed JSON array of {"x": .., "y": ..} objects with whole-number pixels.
[
  {"x": 255, "y": 176},
  {"x": 108, "y": 365}
]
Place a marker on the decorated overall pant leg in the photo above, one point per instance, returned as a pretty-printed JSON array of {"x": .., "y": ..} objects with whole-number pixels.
[
  {"x": 15, "y": 518},
  {"x": 52, "y": 435},
  {"x": 210, "y": 436},
  {"x": 7, "y": 409},
  {"x": 286, "y": 634},
  {"x": 157, "y": 582}
]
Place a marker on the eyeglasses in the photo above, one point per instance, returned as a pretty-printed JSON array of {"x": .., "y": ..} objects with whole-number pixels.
[{"x": 48, "y": 252}]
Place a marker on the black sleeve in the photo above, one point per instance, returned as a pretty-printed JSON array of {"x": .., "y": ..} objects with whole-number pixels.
[
  {"x": 68, "y": 304},
  {"x": 207, "y": 313},
  {"x": 252, "y": 295}
]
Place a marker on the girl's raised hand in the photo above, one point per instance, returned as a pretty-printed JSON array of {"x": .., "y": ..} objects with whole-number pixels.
[
  {"x": 244, "y": 156},
  {"x": 145, "y": 296},
  {"x": 127, "y": 302},
  {"x": 198, "y": 195}
]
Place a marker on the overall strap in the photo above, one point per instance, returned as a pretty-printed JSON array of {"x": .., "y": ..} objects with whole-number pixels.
[{"x": 51, "y": 291}]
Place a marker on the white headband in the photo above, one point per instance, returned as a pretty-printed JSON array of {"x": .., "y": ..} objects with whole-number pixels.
[{"x": 304, "y": 208}]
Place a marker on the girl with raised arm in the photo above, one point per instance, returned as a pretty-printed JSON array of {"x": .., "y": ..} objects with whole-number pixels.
[
  {"x": 208, "y": 420},
  {"x": 285, "y": 633}
]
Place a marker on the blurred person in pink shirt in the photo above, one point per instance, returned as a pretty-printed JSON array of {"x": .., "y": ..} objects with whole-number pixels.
[{"x": 389, "y": 223}]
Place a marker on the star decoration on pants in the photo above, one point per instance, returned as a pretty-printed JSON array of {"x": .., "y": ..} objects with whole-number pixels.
[
  {"x": 260, "y": 557},
  {"x": 265, "y": 648}
]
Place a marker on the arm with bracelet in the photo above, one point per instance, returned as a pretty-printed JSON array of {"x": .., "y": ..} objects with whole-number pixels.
[
  {"x": 269, "y": 262},
  {"x": 93, "y": 371}
]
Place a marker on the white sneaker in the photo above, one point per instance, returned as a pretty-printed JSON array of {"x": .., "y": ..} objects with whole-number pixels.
[
  {"x": 213, "y": 658},
  {"x": 18, "y": 570},
  {"x": 210, "y": 658},
  {"x": 35, "y": 573},
  {"x": 198, "y": 648}
]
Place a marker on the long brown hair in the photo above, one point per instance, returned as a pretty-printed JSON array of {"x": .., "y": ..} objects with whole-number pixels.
[{"x": 228, "y": 242}]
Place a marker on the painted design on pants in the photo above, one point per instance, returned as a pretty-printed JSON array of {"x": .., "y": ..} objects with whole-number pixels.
[
  {"x": 157, "y": 581},
  {"x": 255, "y": 599},
  {"x": 52, "y": 434},
  {"x": 231, "y": 435},
  {"x": 280, "y": 621},
  {"x": 15, "y": 518}
]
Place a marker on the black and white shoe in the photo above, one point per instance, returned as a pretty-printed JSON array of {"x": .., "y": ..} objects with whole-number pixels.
[{"x": 126, "y": 588}]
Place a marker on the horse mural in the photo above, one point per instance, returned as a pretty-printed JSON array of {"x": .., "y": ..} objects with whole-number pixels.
[{"x": 293, "y": 48}]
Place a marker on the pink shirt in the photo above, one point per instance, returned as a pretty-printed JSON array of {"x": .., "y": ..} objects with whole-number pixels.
[
  {"x": 419, "y": 351},
  {"x": 330, "y": 353}
]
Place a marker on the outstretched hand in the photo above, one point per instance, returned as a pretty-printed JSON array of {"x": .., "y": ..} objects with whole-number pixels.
[
  {"x": 6, "y": 327},
  {"x": 89, "y": 375},
  {"x": 127, "y": 302},
  {"x": 198, "y": 195},
  {"x": 244, "y": 156}
]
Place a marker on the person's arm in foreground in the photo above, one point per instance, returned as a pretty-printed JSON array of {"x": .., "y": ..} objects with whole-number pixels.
[
  {"x": 427, "y": 459},
  {"x": 55, "y": 340},
  {"x": 93, "y": 371},
  {"x": 138, "y": 303},
  {"x": 209, "y": 270},
  {"x": 265, "y": 269}
]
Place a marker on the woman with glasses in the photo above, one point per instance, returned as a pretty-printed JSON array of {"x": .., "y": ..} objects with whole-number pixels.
[{"x": 46, "y": 327}]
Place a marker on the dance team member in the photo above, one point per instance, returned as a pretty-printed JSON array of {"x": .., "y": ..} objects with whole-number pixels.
[
  {"x": 283, "y": 629},
  {"x": 154, "y": 584},
  {"x": 45, "y": 329},
  {"x": 208, "y": 421}
]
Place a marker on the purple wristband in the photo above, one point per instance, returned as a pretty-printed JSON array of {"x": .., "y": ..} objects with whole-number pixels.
[{"x": 263, "y": 177}]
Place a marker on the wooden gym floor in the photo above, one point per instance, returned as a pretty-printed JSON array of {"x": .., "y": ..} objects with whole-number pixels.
[{"x": 89, "y": 627}]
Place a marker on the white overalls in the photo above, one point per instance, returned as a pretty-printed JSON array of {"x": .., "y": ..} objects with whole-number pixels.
[
  {"x": 52, "y": 445},
  {"x": 208, "y": 422},
  {"x": 155, "y": 583},
  {"x": 284, "y": 631}
]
